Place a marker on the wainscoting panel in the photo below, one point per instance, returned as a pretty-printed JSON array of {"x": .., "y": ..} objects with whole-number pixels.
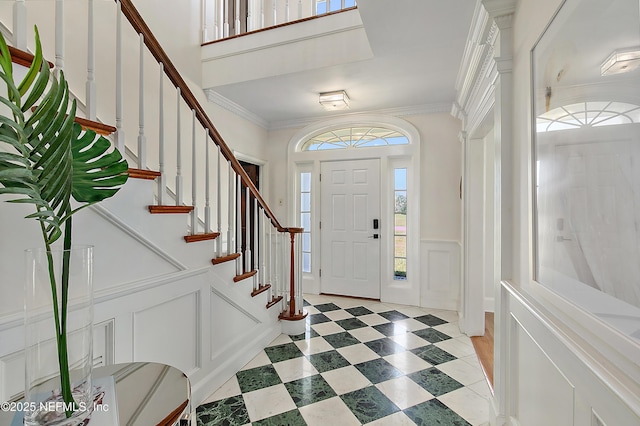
[{"x": 440, "y": 284}]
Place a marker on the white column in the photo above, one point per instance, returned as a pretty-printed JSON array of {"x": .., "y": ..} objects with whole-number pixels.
[
  {"x": 161, "y": 179},
  {"x": 207, "y": 186},
  {"x": 91, "y": 100},
  {"x": 119, "y": 86},
  {"x": 194, "y": 176},
  {"x": 178, "y": 153},
  {"x": 142, "y": 140},
  {"x": 20, "y": 24}
]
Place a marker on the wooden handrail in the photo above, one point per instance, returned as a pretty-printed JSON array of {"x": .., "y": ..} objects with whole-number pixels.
[{"x": 140, "y": 26}]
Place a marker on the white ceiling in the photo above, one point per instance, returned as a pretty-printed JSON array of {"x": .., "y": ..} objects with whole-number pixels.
[{"x": 417, "y": 47}]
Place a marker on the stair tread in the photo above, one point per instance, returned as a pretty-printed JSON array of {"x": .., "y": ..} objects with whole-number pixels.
[
  {"x": 226, "y": 258},
  {"x": 274, "y": 301},
  {"x": 260, "y": 289},
  {"x": 193, "y": 238},
  {"x": 143, "y": 174},
  {"x": 169, "y": 209},
  {"x": 244, "y": 276},
  {"x": 22, "y": 57}
]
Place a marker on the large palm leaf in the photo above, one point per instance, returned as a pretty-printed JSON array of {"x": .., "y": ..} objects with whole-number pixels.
[{"x": 46, "y": 158}]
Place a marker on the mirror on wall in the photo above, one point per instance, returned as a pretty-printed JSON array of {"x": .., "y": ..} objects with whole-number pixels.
[{"x": 586, "y": 131}]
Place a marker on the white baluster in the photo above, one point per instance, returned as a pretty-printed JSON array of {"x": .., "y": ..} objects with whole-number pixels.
[
  {"x": 219, "y": 208},
  {"x": 161, "y": 179},
  {"x": 207, "y": 186},
  {"x": 91, "y": 65},
  {"x": 142, "y": 140},
  {"x": 20, "y": 24},
  {"x": 271, "y": 276},
  {"x": 230, "y": 219},
  {"x": 247, "y": 231},
  {"x": 239, "y": 225},
  {"x": 59, "y": 36},
  {"x": 256, "y": 243},
  {"x": 263, "y": 254},
  {"x": 224, "y": 12},
  {"x": 249, "y": 16},
  {"x": 204, "y": 23},
  {"x": 314, "y": 8},
  {"x": 217, "y": 19},
  {"x": 194, "y": 177},
  {"x": 287, "y": 12},
  {"x": 299, "y": 9},
  {"x": 276, "y": 268},
  {"x": 261, "y": 14},
  {"x": 119, "y": 88},
  {"x": 237, "y": 21},
  {"x": 178, "y": 155},
  {"x": 275, "y": 12}
]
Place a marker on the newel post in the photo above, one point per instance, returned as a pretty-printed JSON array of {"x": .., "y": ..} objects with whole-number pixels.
[{"x": 295, "y": 289}]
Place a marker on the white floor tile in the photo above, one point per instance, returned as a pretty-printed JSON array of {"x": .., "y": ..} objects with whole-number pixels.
[
  {"x": 356, "y": 354},
  {"x": 338, "y": 315},
  {"x": 311, "y": 310},
  {"x": 414, "y": 311},
  {"x": 229, "y": 389},
  {"x": 404, "y": 392},
  {"x": 258, "y": 361},
  {"x": 331, "y": 411},
  {"x": 373, "y": 319},
  {"x": 377, "y": 307},
  {"x": 468, "y": 404},
  {"x": 313, "y": 346},
  {"x": 280, "y": 340},
  {"x": 366, "y": 334},
  {"x": 346, "y": 379},
  {"x": 326, "y": 328},
  {"x": 268, "y": 402},
  {"x": 411, "y": 324},
  {"x": 407, "y": 362},
  {"x": 317, "y": 299},
  {"x": 461, "y": 371},
  {"x": 396, "y": 419},
  {"x": 349, "y": 302},
  {"x": 455, "y": 347},
  {"x": 409, "y": 340},
  {"x": 449, "y": 329},
  {"x": 481, "y": 388},
  {"x": 294, "y": 369},
  {"x": 449, "y": 316}
]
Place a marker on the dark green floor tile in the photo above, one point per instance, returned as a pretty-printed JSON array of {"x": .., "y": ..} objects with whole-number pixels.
[
  {"x": 309, "y": 390},
  {"x": 340, "y": 340},
  {"x": 257, "y": 378},
  {"x": 360, "y": 310},
  {"x": 369, "y": 404},
  {"x": 435, "y": 381},
  {"x": 290, "y": 418},
  {"x": 384, "y": 346},
  {"x": 390, "y": 329},
  {"x": 378, "y": 370},
  {"x": 434, "y": 412},
  {"x": 317, "y": 319},
  {"x": 226, "y": 412},
  {"x": 433, "y": 354},
  {"x": 326, "y": 307},
  {"x": 431, "y": 320},
  {"x": 431, "y": 335},
  {"x": 351, "y": 323},
  {"x": 305, "y": 303},
  {"x": 283, "y": 352},
  {"x": 309, "y": 334},
  {"x": 393, "y": 315},
  {"x": 325, "y": 361}
]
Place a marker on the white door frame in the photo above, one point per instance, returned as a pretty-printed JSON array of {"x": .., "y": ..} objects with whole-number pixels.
[{"x": 393, "y": 291}]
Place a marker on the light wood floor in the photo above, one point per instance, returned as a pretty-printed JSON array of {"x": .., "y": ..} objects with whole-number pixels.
[{"x": 484, "y": 348}]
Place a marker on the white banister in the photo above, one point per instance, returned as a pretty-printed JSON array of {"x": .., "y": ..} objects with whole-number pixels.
[
  {"x": 236, "y": 24},
  {"x": 20, "y": 24},
  {"x": 230, "y": 218},
  {"x": 247, "y": 231},
  {"x": 178, "y": 154},
  {"x": 239, "y": 225},
  {"x": 119, "y": 85},
  {"x": 207, "y": 185},
  {"x": 219, "y": 208},
  {"x": 161, "y": 179},
  {"x": 194, "y": 176},
  {"x": 91, "y": 100},
  {"x": 59, "y": 19},
  {"x": 142, "y": 140}
]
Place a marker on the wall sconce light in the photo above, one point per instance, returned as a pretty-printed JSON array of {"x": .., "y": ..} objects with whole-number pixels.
[
  {"x": 332, "y": 101},
  {"x": 620, "y": 61}
]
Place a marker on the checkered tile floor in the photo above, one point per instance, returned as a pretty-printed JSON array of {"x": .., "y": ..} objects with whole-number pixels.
[{"x": 359, "y": 362}]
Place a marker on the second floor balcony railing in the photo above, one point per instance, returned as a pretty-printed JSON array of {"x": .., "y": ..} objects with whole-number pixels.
[{"x": 228, "y": 18}]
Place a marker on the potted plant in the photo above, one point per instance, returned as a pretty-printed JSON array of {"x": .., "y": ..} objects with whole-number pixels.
[{"x": 50, "y": 162}]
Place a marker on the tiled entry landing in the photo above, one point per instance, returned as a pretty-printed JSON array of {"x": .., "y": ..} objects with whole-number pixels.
[{"x": 359, "y": 362}]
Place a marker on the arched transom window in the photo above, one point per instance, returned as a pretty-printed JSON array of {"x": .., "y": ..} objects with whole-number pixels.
[
  {"x": 354, "y": 137},
  {"x": 592, "y": 114}
]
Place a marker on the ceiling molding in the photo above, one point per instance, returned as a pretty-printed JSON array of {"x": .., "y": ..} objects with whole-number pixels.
[{"x": 229, "y": 105}]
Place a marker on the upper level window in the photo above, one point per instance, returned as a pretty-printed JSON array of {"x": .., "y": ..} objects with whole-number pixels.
[
  {"x": 355, "y": 137},
  {"x": 592, "y": 114},
  {"x": 326, "y": 6}
]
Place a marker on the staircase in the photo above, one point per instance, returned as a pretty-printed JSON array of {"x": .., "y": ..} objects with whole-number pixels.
[{"x": 176, "y": 282}]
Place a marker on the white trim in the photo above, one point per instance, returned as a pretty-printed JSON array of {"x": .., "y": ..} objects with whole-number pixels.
[{"x": 229, "y": 105}]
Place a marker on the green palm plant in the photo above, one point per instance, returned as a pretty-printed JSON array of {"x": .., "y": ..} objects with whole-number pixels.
[{"x": 46, "y": 159}]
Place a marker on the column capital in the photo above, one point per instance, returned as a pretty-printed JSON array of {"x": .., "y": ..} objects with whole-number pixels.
[{"x": 497, "y": 8}]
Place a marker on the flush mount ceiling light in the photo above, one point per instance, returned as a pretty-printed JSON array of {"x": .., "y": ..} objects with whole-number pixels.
[
  {"x": 332, "y": 101},
  {"x": 623, "y": 60}
]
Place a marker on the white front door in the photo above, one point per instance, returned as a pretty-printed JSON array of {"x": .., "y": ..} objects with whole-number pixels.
[{"x": 350, "y": 255}]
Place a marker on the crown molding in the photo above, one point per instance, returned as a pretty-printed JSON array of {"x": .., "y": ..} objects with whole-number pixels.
[{"x": 229, "y": 105}]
